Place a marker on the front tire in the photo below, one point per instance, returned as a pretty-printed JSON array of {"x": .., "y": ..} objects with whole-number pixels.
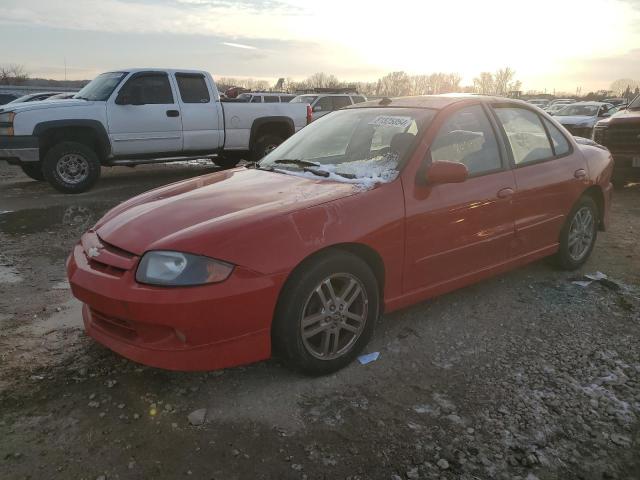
[
  {"x": 578, "y": 236},
  {"x": 264, "y": 145},
  {"x": 326, "y": 314},
  {"x": 71, "y": 167},
  {"x": 33, "y": 170}
]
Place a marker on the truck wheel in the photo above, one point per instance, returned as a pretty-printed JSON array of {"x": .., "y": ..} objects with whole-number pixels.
[
  {"x": 33, "y": 170},
  {"x": 326, "y": 313},
  {"x": 71, "y": 167},
  {"x": 264, "y": 145}
]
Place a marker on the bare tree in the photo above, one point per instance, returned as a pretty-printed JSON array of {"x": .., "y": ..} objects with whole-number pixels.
[
  {"x": 394, "y": 84},
  {"x": 624, "y": 86},
  {"x": 502, "y": 80},
  {"x": 484, "y": 83},
  {"x": 13, "y": 74},
  {"x": 323, "y": 80}
]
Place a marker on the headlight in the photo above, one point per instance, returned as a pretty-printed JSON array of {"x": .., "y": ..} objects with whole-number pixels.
[
  {"x": 6, "y": 123},
  {"x": 181, "y": 269}
]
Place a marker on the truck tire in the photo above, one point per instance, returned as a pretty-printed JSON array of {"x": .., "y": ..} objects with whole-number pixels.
[
  {"x": 71, "y": 167},
  {"x": 33, "y": 170},
  {"x": 264, "y": 145}
]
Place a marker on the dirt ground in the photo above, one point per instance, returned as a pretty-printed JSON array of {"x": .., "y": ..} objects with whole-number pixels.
[{"x": 525, "y": 376}]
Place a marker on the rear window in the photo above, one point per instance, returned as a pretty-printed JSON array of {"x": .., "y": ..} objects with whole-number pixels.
[
  {"x": 193, "y": 88},
  {"x": 271, "y": 99},
  {"x": 341, "y": 102},
  {"x": 358, "y": 99}
]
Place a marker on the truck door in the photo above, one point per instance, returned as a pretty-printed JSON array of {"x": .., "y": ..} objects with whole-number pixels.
[
  {"x": 144, "y": 117},
  {"x": 201, "y": 121}
]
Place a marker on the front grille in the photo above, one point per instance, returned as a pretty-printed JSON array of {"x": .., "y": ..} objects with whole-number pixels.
[
  {"x": 104, "y": 268},
  {"x": 599, "y": 135},
  {"x": 619, "y": 137}
]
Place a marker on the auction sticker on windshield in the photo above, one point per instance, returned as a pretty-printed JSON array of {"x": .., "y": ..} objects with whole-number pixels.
[{"x": 391, "y": 121}]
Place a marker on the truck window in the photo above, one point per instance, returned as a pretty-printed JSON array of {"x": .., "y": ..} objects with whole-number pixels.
[
  {"x": 256, "y": 99},
  {"x": 357, "y": 99},
  {"x": 341, "y": 102},
  {"x": 271, "y": 99},
  {"x": 325, "y": 103},
  {"x": 154, "y": 88},
  {"x": 193, "y": 88}
]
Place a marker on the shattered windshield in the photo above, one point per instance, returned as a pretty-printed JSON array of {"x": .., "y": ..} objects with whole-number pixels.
[
  {"x": 579, "y": 110},
  {"x": 365, "y": 146}
]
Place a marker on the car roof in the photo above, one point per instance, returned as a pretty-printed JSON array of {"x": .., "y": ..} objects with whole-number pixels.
[
  {"x": 436, "y": 102},
  {"x": 330, "y": 94}
]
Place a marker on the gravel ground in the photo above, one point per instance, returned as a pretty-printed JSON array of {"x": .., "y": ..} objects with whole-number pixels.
[{"x": 525, "y": 376}]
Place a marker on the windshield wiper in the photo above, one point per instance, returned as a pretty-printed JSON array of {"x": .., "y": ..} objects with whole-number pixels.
[
  {"x": 297, "y": 162},
  {"x": 320, "y": 173}
]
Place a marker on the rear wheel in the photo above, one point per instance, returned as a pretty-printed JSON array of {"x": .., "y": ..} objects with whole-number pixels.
[
  {"x": 265, "y": 145},
  {"x": 326, "y": 314},
  {"x": 33, "y": 170},
  {"x": 71, "y": 167},
  {"x": 578, "y": 236}
]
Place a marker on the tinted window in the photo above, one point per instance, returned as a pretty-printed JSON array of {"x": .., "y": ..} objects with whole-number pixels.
[
  {"x": 560, "y": 143},
  {"x": 271, "y": 99},
  {"x": 193, "y": 88},
  {"x": 340, "y": 102},
  {"x": 325, "y": 103},
  {"x": 286, "y": 98},
  {"x": 256, "y": 99},
  {"x": 357, "y": 99},
  {"x": 304, "y": 99},
  {"x": 153, "y": 88},
  {"x": 467, "y": 137},
  {"x": 527, "y": 137}
]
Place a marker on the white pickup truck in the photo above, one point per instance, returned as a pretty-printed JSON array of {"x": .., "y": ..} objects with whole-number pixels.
[{"x": 139, "y": 116}]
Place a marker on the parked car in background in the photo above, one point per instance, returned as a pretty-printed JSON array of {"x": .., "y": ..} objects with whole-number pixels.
[
  {"x": 620, "y": 133},
  {"x": 266, "y": 97},
  {"x": 562, "y": 101},
  {"x": 538, "y": 102},
  {"x": 62, "y": 96},
  {"x": 369, "y": 209},
  {"x": 139, "y": 116},
  {"x": 34, "y": 97},
  {"x": 323, "y": 103},
  {"x": 555, "y": 108},
  {"x": 618, "y": 102},
  {"x": 7, "y": 97},
  {"x": 580, "y": 117}
]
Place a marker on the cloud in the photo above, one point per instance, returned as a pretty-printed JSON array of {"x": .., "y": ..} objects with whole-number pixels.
[{"x": 239, "y": 45}]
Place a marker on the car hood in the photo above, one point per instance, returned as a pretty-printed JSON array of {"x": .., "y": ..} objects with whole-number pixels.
[
  {"x": 174, "y": 216},
  {"x": 44, "y": 104},
  {"x": 622, "y": 117},
  {"x": 575, "y": 119}
]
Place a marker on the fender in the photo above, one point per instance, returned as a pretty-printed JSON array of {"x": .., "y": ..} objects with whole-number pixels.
[
  {"x": 279, "y": 120},
  {"x": 103, "y": 138}
]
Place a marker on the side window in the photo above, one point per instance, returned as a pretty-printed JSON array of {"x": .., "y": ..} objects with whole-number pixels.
[
  {"x": 326, "y": 103},
  {"x": 193, "y": 88},
  {"x": 340, "y": 102},
  {"x": 467, "y": 137},
  {"x": 287, "y": 98},
  {"x": 256, "y": 99},
  {"x": 357, "y": 99},
  {"x": 527, "y": 137},
  {"x": 153, "y": 88},
  {"x": 560, "y": 143},
  {"x": 271, "y": 99}
]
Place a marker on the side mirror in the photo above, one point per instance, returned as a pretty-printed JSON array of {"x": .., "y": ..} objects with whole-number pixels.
[
  {"x": 317, "y": 108},
  {"x": 442, "y": 171}
]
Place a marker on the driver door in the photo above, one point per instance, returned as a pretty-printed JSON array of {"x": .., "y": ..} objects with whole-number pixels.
[
  {"x": 144, "y": 117},
  {"x": 459, "y": 231}
]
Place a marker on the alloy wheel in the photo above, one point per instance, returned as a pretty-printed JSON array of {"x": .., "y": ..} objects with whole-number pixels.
[{"x": 581, "y": 234}]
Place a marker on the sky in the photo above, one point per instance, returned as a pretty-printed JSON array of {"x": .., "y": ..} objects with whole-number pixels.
[{"x": 552, "y": 44}]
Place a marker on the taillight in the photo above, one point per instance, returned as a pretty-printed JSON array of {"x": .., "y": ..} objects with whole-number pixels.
[{"x": 309, "y": 114}]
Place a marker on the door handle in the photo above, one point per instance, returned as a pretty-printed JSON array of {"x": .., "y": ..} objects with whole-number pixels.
[
  {"x": 580, "y": 173},
  {"x": 505, "y": 192},
  {"x": 173, "y": 113}
]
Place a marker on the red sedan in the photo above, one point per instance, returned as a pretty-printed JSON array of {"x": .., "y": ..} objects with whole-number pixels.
[{"x": 367, "y": 210}]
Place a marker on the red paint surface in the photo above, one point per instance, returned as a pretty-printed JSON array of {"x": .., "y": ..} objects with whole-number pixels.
[{"x": 430, "y": 238}]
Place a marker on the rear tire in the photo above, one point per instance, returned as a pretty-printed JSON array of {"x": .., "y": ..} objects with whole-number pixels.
[
  {"x": 33, "y": 170},
  {"x": 71, "y": 167},
  {"x": 264, "y": 145},
  {"x": 578, "y": 235},
  {"x": 317, "y": 336}
]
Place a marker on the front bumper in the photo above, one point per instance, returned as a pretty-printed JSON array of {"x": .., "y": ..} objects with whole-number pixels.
[
  {"x": 586, "y": 132},
  {"x": 193, "y": 328},
  {"x": 623, "y": 166},
  {"x": 19, "y": 149}
]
